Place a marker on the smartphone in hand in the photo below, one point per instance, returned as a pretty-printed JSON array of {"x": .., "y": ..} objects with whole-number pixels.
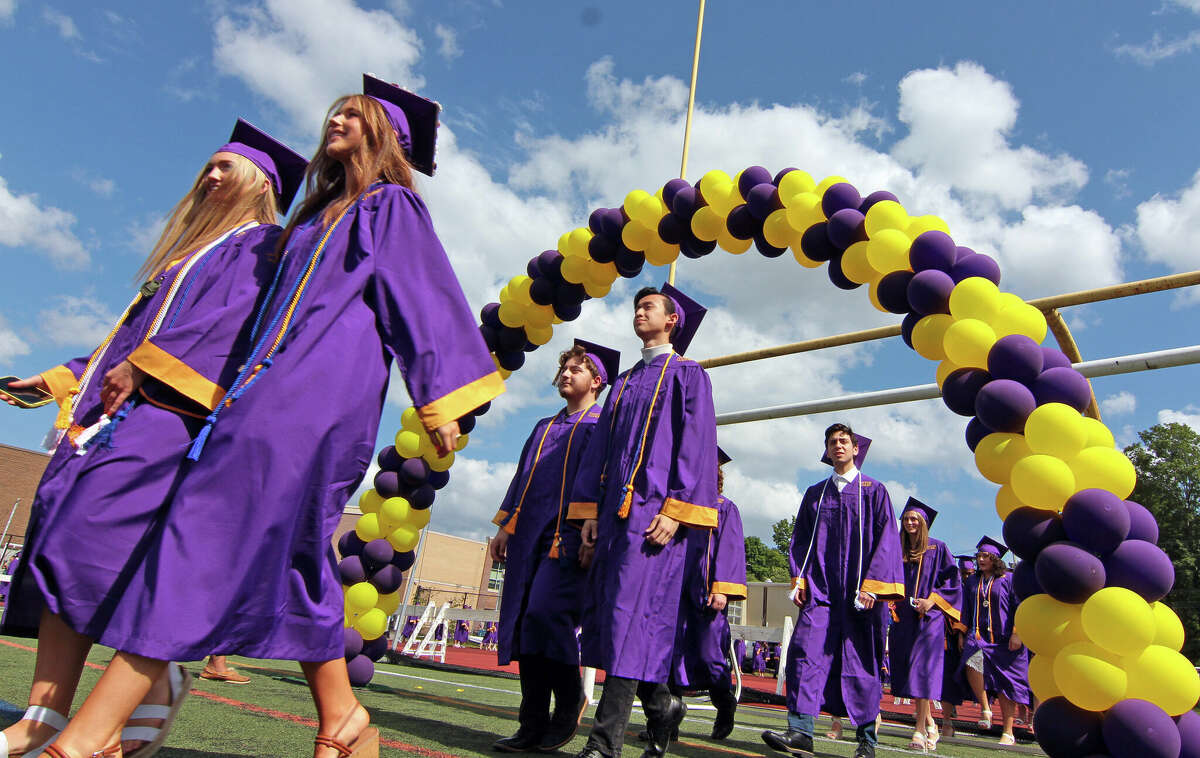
[{"x": 29, "y": 397}]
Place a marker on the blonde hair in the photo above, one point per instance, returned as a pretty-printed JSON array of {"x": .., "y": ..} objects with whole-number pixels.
[
  {"x": 197, "y": 220},
  {"x": 330, "y": 189},
  {"x": 914, "y": 547}
]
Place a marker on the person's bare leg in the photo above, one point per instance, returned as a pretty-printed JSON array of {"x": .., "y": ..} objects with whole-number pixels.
[
  {"x": 339, "y": 714},
  {"x": 949, "y": 712},
  {"x": 975, "y": 679},
  {"x": 218, "y": 663},
  {"x": 1008, "y": 710},
  {"x": 122, "y": 687},
  {"x": 159, "y": 694},
  {"x": 60, "y": 656}
]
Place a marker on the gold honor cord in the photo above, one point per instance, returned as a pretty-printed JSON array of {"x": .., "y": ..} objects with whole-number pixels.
[
  {"x": 563, "y": 483},
  {"x": 627, "y": 501},
  {"x": 511, "y": 525}
]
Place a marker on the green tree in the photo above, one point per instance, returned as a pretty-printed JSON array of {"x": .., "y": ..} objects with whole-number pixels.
[
  {"x": 1167, "y": 460},
  {"x": 781, "y": 534},
  {"x": 764, "y": 564}
]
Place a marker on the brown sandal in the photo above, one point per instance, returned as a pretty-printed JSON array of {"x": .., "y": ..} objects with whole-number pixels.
[
  {"x": 366, "y": 745},
  {"x": 112, "y": 751}
]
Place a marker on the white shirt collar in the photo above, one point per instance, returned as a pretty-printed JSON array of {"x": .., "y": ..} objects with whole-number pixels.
[
  {"x": 650, "y": 353},
  {"x": 841, "y": 480}
]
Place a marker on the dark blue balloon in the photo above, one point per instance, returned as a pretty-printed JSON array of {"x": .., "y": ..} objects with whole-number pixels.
[
  {"x": 1024, "y": 580},
  {"x": 906, "y": 327},
  {"x": 1142, "y": 567},
  {"x": 404, "y": 561},
  {"x": 439, "y": 479},
  {"x": 766, "y": 248},
  {"x": 511, "y": 360},
  {"x": 815, "y": 243},
  {"x": 893, "y": 291},
  {"x": 377, "y": 554},
  {"x": 422, "y": 496},
  {"x": 976, "y": 431},
  {"x": 670, "y": 229},
  {"x": 601, "y": 249}
]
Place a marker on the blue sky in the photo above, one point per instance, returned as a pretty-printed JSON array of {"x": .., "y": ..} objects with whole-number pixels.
[{"x": 1058, "y": 137}]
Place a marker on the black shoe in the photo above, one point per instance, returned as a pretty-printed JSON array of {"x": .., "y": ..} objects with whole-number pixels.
[
  {"x": 563, "y": 725},
  {"x": 726, "y": 705},
  {"x": 524, "y": 741},
  {"x": 644, "y": 735},
  {"x": 865, "y": 750},
  {"x": 790, "y": 742},
  {"x": 663, "y": 733},
  {"x": 589, "y": 752}
]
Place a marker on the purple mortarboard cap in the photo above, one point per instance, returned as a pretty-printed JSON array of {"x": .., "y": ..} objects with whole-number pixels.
[
  {"x": 864, "y": 444},
  {"x": 926, "y": 512},
  {"x": 989, "y": 545},
  {"x": 605, "y": 359},
  {"x": 722, "y": 456},
  {"x": 282, "y": 165},
  {"x": 413, "y": 118},
  {"x": 690, "y": 315},
  {"x": 966, "y": 561}
]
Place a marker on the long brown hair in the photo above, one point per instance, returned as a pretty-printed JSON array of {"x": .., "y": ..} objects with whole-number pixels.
[
  {"x": 330, "y": 189},
  {"x": 198, "y": 220},
  {"x": 914, "y": 547}
]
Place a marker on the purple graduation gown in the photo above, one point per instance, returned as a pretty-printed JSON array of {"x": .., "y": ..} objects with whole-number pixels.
[
  {"x": 989, "y": 605},
  {"x": 462, "y": 633},
  {"x": 654, "y": 451},
  {"x": 489, "y": 636},
  {"x": 543, "y": 583},
  {"x": 917, "y": 643},
  {"x": 835, "y": 653},
  {"x": 97, "y": 518},
  {"x": 409, "y": 625},
  {"x": 718, "y": 565}
]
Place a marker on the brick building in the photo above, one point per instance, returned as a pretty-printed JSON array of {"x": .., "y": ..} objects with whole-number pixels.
[{"x": 20, "y": 472}]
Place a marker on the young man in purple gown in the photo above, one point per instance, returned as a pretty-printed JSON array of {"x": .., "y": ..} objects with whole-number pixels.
[
  {"x": 543, "y": 582},
  {"x": 845, "y": 558},
  {"x": 648, "y": 479}
]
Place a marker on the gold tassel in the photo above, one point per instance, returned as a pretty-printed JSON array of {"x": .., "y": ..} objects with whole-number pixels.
[
  {"x": 627, "y": 502},
  {"x": 554, "y": 547},
  {"x": 63, "y": 419}
]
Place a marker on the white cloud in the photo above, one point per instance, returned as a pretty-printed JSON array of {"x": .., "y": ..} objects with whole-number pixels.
[
  {"x": 449, "y": 48},
  {"x": 301, "y": 54},
  {"x": 100, "y": 185},
  {"x": 62, "y": 23},
  {"x": 1168, "y": 227},
  {"x": 467, "y": 505},
  {"x": 24, "y": 223},
  {"x": 1118, "y": 179},
  {"x": 960, "y": 120},
  {"x": 1149, "y": 53},
  {"x": 857, "y": 79},
  {"x": 1189, "y": 415},
  {"x": 1033, "y": 252},
  {"x": 144, "y": 231},
  {"x": 1121, "y": 403},
  {"x": 1192, "y": 5},
  {"x": 11, "y": 345},
  {"x": 8, "y": 8},
  {"x": 76, "y": 321}
]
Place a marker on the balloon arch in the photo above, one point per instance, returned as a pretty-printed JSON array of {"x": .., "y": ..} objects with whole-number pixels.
[{"x": 1106, "y": 661}]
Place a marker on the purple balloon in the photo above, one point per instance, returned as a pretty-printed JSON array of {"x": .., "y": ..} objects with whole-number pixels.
[
  {"x": 1068, "y": 572},
  {"x": 596, "y": 219},
  {"x": 906, "y": 327},
  {"x": 1015, "y": 357},
  {"x": 388, "y": 459},
  {"x": 1063, "y": 385},
  {"x": 961, "y": 253},
  {"x": 375, "y": 649},
  {"x": 837, "y": 277},
  {"x": 846, "y": 227},
  {"x": 351, "y": 570},
  {"x": 685, "y": 202},
  {"x": 1052, "y": 357},
  {"x": 932, "y": 251},
  {"x": 840, "y": 196},
  {"x": 975, "y": 433},
  {"x": 361, "y": 669},
  {"x": 350, "y": 544},
  {"x": 405, "y": 560},
  {"x": 511, "y": 360},
  {"x": 415, "y": 471},
  {"x": 1067, "y": 730},
  {"x": 613, "y": 221},
  {"x": 1003, "y": 405},
  {"x": 510, "y": 339},
  {"x": 541, "y": 289},
  {"x": 387, "y": 483},
  {"x": 568, "y": 312},
  {"x": 1024, "y": 580},
  {"x": 742, "y": 224},
  {"x": 549, "y": 262},
  {"x": 694, "y": 248},
  {"x": 893, "y": 291},
  {"x": 1142, "y": 525},
  {"x": 1189, "y": 734},
  {"x": 815, "y": 243},
  {"x": 1028, "y": 530},
  {"x": 490, "y": 315},
  {"x": 531, "y": 268},
  {"x": 466, "y": 424},
  {"x": 782, "y": 173},
  {"x": 387, "y": 579},
  {"x": 672, "y": 187},
  {"x": 929, "y": 292},
  {"x": 766, "y": 248},
  {"x": 1096, "y": 519},
  {"x": 670, "y": 229},
  {"x": 353, "y": 642},
  {"x": 976, "y": 265},
  {"x": 763, "y": 199},
  {"x": 1140, "y": 729},
  {"x": 601, "y": 249},
  {"x": 751, "y": 178},
  {"x": 439, "y": 479},
  {"x": 482, "y": 409},
  {"x": 877, "y": 196},
  {"x": 491, "y": 338},
  {"x": 1142, "y": 567},
  {"x": 421, "y": 497},
  {"x": 377, "y": 553},
  {"x": 629, "y": 262},
  {"x": 961, "y": 387}
]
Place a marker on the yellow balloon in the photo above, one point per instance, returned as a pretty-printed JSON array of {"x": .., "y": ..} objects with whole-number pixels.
[
  {"x": 518, "y": 286},
  {"x": 370, "y": 501},
  {"x": 540, "y": 316},
  {"x": 393, "y": 513},
  {"x": 362, "y": 596},
  {"x": 1043, "y": 481},
  {"x": 732, "y": 244},
  {"x": 411, "y": 420},
  {"x": 598, "y": 290},
  {"x": 404, "y": 538},
  {"x": 804, "y": 210},
  {"x": 873, "y": 296},
  {"x": 711, "y": 181},
  {"x": 512, "y": 314},
  {"x": 578, "y": 242},
  {"x": 887, "y": 250},
  {"x": 1168, "y": 629},
  {"x": 776, "y": 229},
  {"x": 796, "y": 182},
  {"x": 974, "y": 298},
  {"x": 828, "y": 182},
  {"x": 1098, "y": 433},
  {"x": 564, "y": 245},
  {"x": 440, "y": 464},
  {"x": 427, "y": 448},
  {"x": 707, "y": 224},
  {"x": 419, "y": 518},
  {"x": 723, "y": 198},
  {"x": 800, "y": 257},
  {"x": 1056, "y": 429},
  {"x": 1118, "y": 620},
  {"x": 601, "y": 273},
  {"x": 632, "y": 202},
  {"x": 1046, "y": 625},
  {"x": 659, "y": 253},
  {"x": 1041, "y": 677},
  {"x": 927, "y": 336},
  {"x": 636, "y": 236},
  {"x": 462, "y": 443},
  {"x": 540, "y": 335},
  {"x": 886, "y": 214},
  {"x": 967, "y": 342},
  {"x": 997, "y": 453},
  {"x": 650, "y": 211},
  {"x": 389, "y": 603},
  {"x": 367, "y": 527},
  {"x": 1164, "y": 677},
  {"x": 1020, "y": 318},
  {"x": 855, "y": 265},
  {"x": 1088, "y": 676},
  {"x": 922, "y": 224},
  {"x": 372, "y": 624},
  {"x": 1006, "y": 501},
  {"x": 573, "y": 270},
  {"x": 944, "y": 369},
  {"x": 1106, "y": 469}
]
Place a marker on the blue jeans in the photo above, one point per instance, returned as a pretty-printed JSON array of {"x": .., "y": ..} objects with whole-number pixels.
[{"x": 803, "y": 723}]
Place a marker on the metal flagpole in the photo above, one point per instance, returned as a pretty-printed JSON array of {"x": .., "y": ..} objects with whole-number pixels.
[
  {"x": 687, "y": 124},
  {"x": 7, "y": 524}
]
